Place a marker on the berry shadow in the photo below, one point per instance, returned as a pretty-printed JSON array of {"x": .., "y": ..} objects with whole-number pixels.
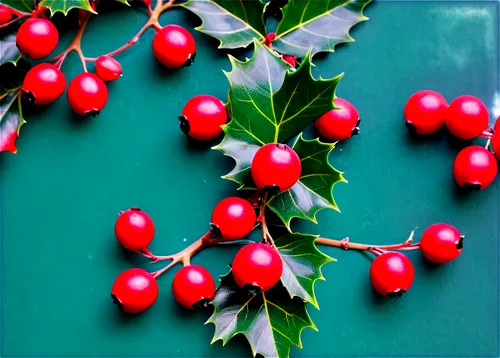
[
  {"x": 415, "y": 139},
  {"x": 429, "y": 266},
  {"x": 455, "y": 143},
  {"x": 78, "y": 121},
  {"x": 196, "y": 146},
  {"x": 117, "y": 318}
]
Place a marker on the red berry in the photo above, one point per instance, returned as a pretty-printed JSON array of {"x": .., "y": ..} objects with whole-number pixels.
[
  {"x": 87, "y": 94},
  {"x": 134, "y": 290},
  {"x": 392, "y": 274},
  {"x": 37, "y": 38},
  {"x": 202, "y": 117},
  {"x": 268, "y": 40},
  {"x": 475, "y": 168},
  {"x": 107, "y": 68},
  {"x": 233, "y": 218},
  {"x": 134, "y": 229},
  {"x": 495, "y": 143},
  {"x": 193, "y": 287},
  {"x": 291, "y": 60},
  {"x": 467, "y": 117},
  {"x": 174, "y": 46},
  {"x": 441, "y": 243},
  {"x": 339, "y": 124},
  {"x": 425, "y": 112},
  {"x": 497, "y": 124},
  {"x": 5, "y": 14},
  {"x": 257, "y": 265},
  {"x": 43, "y": 84},
  {"x": 276, "y": 166}
]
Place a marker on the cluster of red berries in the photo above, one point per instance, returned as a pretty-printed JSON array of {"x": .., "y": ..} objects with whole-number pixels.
[
  {"x": 475, "y": 167},
  {"x": 87, "y": 94},
  {"x": 255, "y": 266},
  {"x": 392, "y": 273}
]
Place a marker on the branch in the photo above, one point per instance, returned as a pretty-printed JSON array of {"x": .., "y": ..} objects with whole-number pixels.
[
  {"x": 185, "y": 255},
  {"x": 16, "y": 19},
  {"x": 345, "y": 244}
]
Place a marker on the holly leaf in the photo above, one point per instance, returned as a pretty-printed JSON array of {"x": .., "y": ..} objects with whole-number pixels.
[
  {"x": 313, "y": 191},
  {"x": 20, "y": 5},
  {"x": 65, "y": 6},
  {"x": 235, "y": 23},
  {"x": 269, "y": 104},
  {"x": 271, "y": 321},
  {"x": 317, "y": 25},
  {"x": 11, "y": 120},
  {"x": 302, "y": 262},
  {"x": 10, "y": 53}
]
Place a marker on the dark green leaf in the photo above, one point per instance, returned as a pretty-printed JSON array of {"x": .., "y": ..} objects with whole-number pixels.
[
  {"x": 271, "y": 321},
  {"x": 11, "y": 120},
  {"x": 302, "y": 262},
  {"x": 235, "y": 23},
  {"x": 313, "y": 191},
  {"x": 65, "y": 5},
  {"x": 270, "y": 104},
  {"x": 318, "y": 25},
  {"x": 20, "y": 5},
  {"x": 10, "y": 53}
]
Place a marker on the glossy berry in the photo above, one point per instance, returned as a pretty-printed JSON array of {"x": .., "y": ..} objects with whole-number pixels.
[
  {"x": 107, "y": 68},
  {"x": 43, "y": 84},
  {"x": 275, "y": 166},
  {"x": 291, "y": 60},
  {"x": 37, "y": 38},
  {"x": 134, "y": 290},
  {"x": 193, "y": 287},
  {"x": 441, "y": 243},
  {"x": 495, "y": 143},
  {"x": 87, "y": 94},
  {"x": 134, "y": 229},
  {"x": 391, "y": 274},
  {"x": 257, "y": 265},
  {"x": 5, "y": 14},
  {"x": 467, "y": 117},
  {"x": 475, "y": 168},
  {"x": 497, "y": 124},
  {"x": 174, "y": 46},
  {"x": 233, "y": 218},
  {"x": 339, "y": 124},
  {"x": 425, "y": 112},
  {"x": 202, "y": 117}
]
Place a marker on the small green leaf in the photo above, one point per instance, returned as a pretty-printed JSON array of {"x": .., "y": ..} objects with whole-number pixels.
[
  {"x": 317, "y": 25},
  {"x": 302, "y": 262},
  {"x": 10, "y": 53},
  {"x": 269, "y": 104},
  {"x": 11, "y": 120},
  {"x": 271, "y": 321},
  {"x": 65, "y": 5},
  {"x": 313, "y": 191},
  {"x": 20, "y": 5},
  {"x": 235, "y": 23}
]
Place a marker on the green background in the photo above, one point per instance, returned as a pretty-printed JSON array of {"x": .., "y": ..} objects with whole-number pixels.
[{"x": 62, "y": 191}]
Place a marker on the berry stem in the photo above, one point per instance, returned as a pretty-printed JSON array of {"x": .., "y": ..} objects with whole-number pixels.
[
  {"x": 185, "y": 255},
  {"x": 152, "y": 22},
  {"x": 75, "y": 45},
  {"x": 19, "y": 17},
  {"x": 266, "y": 235},
  {"x": 346, "y": 244},
  {"x": 487, "y": 134},
  {"x": 488, "y": 143}
]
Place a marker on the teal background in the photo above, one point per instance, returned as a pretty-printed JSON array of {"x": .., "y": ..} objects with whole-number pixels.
[{"x": 61, "y": 193}]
